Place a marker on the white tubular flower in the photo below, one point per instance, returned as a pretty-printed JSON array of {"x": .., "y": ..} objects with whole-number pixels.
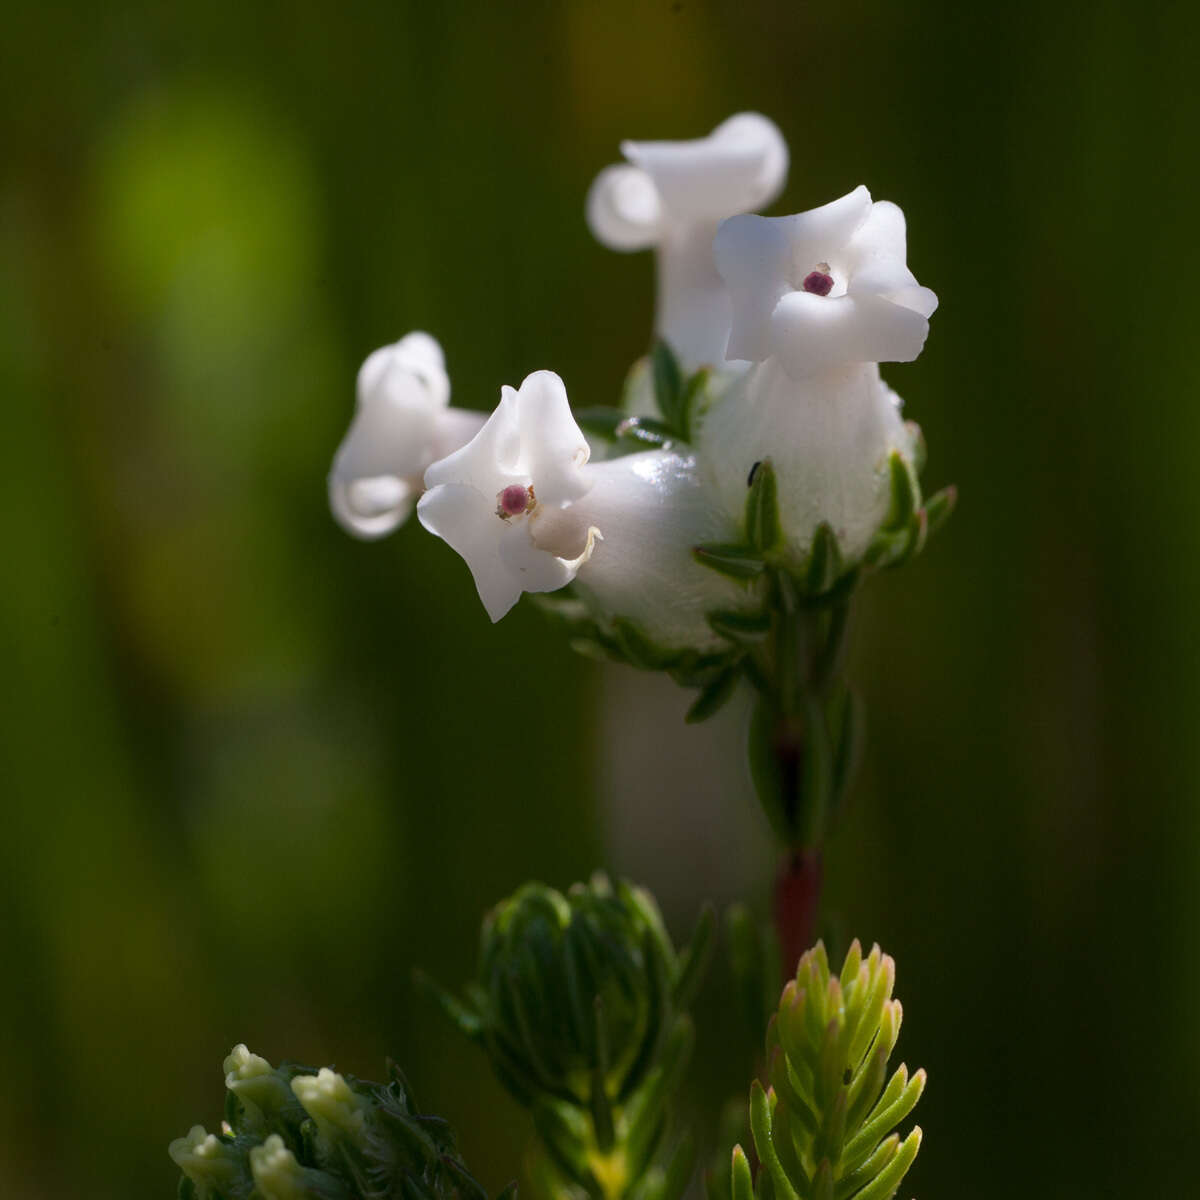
[
  {"x": 823, "y": 288},
  {"x": 653, "y": 508},
  {"x": 401, "y": 425},
  {"x": 829, "y": 437},
  {"x": 672, "y": 196},
  {"x": 505, "y": 500}
]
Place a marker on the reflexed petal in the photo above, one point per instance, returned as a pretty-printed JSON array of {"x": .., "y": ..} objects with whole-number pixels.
[
  {"x": 739, "y": 166},
  {"x": 623, "y": 208},
  {"x": 466, "y": 520},
  {"x": 490, "y": 460},
  {"x": 883, "y": 232},
  {"x": 881, "y": 275},
  {"x": 820, "y": 234},
  {"x": 891, "y": 332},
  {"x": 372, "y": 507},
  {"x": 919, "y": 299},
  {"x": 553, "y": 447}
]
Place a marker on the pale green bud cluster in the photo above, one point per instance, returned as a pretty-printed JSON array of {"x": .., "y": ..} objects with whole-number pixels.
[{"x": 294, "y": 1133}]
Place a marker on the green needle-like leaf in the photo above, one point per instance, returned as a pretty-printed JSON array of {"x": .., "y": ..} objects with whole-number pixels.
[
  {"x": 668, "y": 384},
  {"x": 743, "y": 1181},
  {"x": 903, "y": 501},
  {"x": 763, "y": 529},
  {"x": 713, "y": 697},
  {"x": 734, "y": 559}
]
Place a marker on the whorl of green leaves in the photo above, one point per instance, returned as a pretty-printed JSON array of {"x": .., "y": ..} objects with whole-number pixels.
[
  {"x": 580, "y": 1004},
  {"x": 294, "y": 1133},
  {"x": 822, "y": 1129}
]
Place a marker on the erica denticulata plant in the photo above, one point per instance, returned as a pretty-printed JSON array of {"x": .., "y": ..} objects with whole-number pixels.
[{"x": 716, "y": 524}]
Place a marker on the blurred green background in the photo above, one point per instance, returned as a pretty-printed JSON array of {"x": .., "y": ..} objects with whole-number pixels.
[{"x": 252, "y": 770}]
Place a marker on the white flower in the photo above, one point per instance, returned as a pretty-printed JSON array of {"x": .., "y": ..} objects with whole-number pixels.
[
  {"x": 672, "y": 196},
  {"x": 829, "y": 438},
  {"x": 823, "y": 288},
  {"x": 401, "y": 425},
  {"x": 505, "y": 500},
  {"x": 653, "y": 508}
]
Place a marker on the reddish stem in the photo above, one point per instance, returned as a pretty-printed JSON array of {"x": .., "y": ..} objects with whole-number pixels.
[{"x": 797, "y": 902}]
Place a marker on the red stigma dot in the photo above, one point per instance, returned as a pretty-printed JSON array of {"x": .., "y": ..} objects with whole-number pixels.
[
  {"x": 818, "y": 283},
  {"x": 513, "y": 500}
]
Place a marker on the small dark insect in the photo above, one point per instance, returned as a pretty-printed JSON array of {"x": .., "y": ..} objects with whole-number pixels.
[{"x": 753, "y": 472}]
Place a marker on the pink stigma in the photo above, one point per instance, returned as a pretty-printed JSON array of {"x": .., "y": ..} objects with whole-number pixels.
[
  {"x": 513, "y": 500},
  {"x": 818, "y": 283}
]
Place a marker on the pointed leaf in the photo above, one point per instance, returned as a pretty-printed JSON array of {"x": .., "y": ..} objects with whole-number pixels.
[
  {"x": 743, "y": 1181},
  {"x": 740, "y": 627},
  {"x": 763, "y": 529},
  {"x": 713, "y": 697},
  {"x": 903, "y": 502},
  {"x": 600, "y": 422},
  {"x": 824, "y": 561},
  {"x": 734, "y": 559},
  {"x": 939, "y": 506},
  {"x": 668, "y": 383}
]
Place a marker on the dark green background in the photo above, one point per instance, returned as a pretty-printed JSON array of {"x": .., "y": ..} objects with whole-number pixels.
[{"x": 253, "y": 771}]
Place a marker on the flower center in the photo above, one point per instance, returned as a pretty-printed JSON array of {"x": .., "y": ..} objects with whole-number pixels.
[
  {"x": 818, "y": 281},
  {"x": 514, "y": 500}
]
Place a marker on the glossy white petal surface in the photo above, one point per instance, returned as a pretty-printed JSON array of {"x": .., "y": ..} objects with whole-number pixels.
[{"x": 828, "y": 435}]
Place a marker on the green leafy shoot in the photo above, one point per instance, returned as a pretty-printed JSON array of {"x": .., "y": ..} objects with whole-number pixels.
[{"x": 823, "y": 1128}]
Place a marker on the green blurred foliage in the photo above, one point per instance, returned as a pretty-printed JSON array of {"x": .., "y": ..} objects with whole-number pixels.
[{"x": 252, "y": 771}]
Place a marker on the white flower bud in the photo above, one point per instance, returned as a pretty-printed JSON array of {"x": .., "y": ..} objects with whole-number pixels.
[
  {"x": 207, "y": 1161},
  {"x": 277, "y": 1174},
  {"x": 400, "y": 426},
  {"x": 327, "y": 1098},
  {"x": 254, "y": 1081},
  {"x": 829, "y": 437},
  {"x": 505, "y": 500},
  {"x": 672, "y": 197},
  {"x": 823, "y": 288}
]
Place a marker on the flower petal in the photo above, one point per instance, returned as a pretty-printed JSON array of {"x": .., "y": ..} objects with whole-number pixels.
[
  {"x": 624, "y": 211},
  {"x": 883, "y": 232},
  {"x": 814, "y": 333},
  {"x": 822, "y": 234},
  {"x": 416, "y": 354},
  {"x": 490, "y": 460},
  {"x": 371, "y": 507},
  {"x": 753, "y": 256},
  {"x": 553, "y": 447},
  {"x": 466, "y": 520},
  {"x": 739, "y": 166}
]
